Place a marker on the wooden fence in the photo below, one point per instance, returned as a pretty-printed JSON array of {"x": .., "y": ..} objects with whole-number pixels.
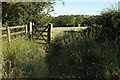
[
  {"x": 9, "y": 34},
  {"x": 32, "y": 29}
]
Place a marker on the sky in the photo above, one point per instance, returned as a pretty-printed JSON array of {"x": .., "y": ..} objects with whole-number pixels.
[
  {"x": 90, "y": 0},
  {"x": 82, "y": 7}
]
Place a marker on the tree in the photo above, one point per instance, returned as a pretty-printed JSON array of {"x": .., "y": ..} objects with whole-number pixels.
[
  {"x": 18, "y": 13},
  {"x": 89, "y": 21},
  {"x": 79, "y": 19}
]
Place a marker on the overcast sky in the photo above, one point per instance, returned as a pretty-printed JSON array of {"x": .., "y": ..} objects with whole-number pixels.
[{"x": 82, "y": 7}]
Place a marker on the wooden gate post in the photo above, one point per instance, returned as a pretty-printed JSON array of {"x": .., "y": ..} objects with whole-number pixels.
[
  {"x": 30, "y": 36},
  {"x": 26, "y": 29},
  {"x": 30, "y": 27},
  {"x": 8, "y": 34},
  {"x": 50, "y": 26}
]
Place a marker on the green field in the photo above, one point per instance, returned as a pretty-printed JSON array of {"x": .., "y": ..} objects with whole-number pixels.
[{"x": 59, "y": 30}]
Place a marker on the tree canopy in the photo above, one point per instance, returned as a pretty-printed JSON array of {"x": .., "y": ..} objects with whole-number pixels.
[{"x": 18, "y": 13}]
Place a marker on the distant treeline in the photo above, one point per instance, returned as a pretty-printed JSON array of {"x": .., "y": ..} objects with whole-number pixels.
[{"x": 74, "y": 20}]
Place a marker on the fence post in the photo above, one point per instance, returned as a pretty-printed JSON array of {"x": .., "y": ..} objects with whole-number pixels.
[
  {"x": 78, "y": 25},
  {"x": 26, "y": 29},
  {"x": 8, "y": 34},
  {"x": 50, "y": 26},
  {"x": 30, "y": 27},
  {"x": 30, "y": 31},
  {"x": 33, "y": 24}
]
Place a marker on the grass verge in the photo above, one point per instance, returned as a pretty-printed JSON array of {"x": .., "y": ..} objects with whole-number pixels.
[{"x": 23, "y": 59}]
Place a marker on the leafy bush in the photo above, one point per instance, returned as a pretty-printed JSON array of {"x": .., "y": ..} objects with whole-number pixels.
[
  {"x": 23, "y": 59},
  {"x": 72, "y": 56},
  {"x": 110, "y": 21}
]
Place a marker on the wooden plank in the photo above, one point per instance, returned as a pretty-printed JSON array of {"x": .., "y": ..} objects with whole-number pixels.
[
  {"x": 42, "y": 31},
  {"x": 5, "y": 35},
  {"x": 40, "y": 39},
  {"x": 3, "y": 28},
  {"x": 17, "y": 27},
  {"x": 44, "y": 35},
  {"x": 38, "y": 26},
  {"x": 44, "y": 39},
  {"x": 18, "y": 32}
]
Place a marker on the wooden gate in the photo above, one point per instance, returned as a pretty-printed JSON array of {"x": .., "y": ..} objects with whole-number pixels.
[{"x": 42, "y": 34}]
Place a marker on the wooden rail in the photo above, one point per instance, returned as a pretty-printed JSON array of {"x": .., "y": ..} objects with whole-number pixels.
[
  {"x": 17, "y": 27},
  {"x": 5, "y": 35},
  {"x": 9, "y": 34},
  {"x": 17, "y": 32},
  {"x": 3, "y": 28}
]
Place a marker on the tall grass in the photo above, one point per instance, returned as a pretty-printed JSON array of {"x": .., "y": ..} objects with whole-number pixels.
[
  {"x": 23, "y": 59},
  {"x": 72, "y": 56}
]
